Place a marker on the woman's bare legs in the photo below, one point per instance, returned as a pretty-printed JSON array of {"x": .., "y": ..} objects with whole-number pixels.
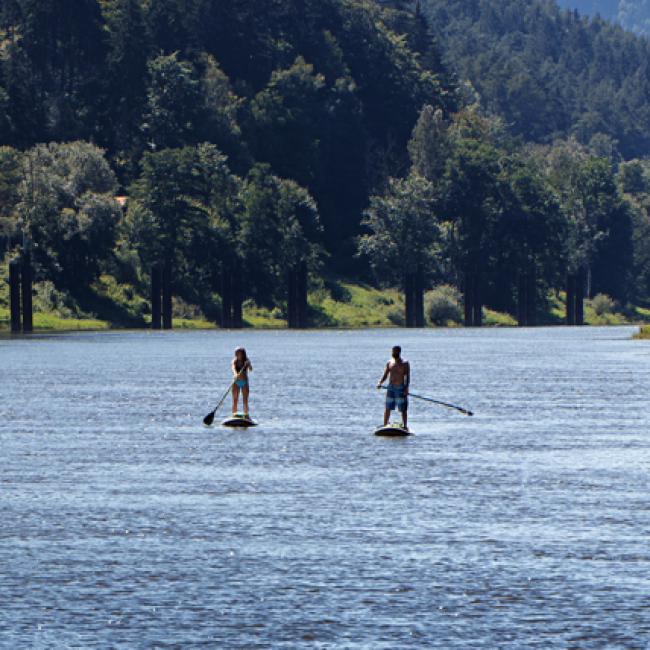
[{"x": 244, "y": 394}]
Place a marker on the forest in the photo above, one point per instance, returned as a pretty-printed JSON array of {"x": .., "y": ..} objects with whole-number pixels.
[
  {"x": 633, "y": 15},
  {"x": 363, "y": 138}
]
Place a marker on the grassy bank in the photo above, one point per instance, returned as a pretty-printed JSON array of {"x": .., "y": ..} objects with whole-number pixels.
[
  {"x": 53, "y": 322},
  {"x": 364, "y": 306},
  {"x": 358, "y": 305},
  {"x": 600, "y": 310},
  {"x": 335, "y": 305},
  {"x": 47, "y": 322}
]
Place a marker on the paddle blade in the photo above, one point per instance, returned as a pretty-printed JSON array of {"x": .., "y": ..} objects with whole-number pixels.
[{"x": 208, "y": 419}]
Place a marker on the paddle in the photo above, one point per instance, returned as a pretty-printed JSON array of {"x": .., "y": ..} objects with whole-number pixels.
[
  {"x": 209, "y": 418},
  {"x": 435, "y": 401}
]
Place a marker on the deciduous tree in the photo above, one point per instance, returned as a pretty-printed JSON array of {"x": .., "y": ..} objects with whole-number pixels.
[
  {"x": 404, "y": 230},
  {"x": 67, "y": 209}
]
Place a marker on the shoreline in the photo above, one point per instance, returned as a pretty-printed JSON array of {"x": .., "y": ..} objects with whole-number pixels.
[
  {"x": 358, "y": 307},
  {"x": 5, "y": 334}
]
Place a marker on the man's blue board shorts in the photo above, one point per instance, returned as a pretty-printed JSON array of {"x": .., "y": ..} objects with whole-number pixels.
[{"x": 395, "y": 398}]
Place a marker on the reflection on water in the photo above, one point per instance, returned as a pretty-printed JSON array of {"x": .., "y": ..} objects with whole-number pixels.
[{"x": 126, "y": 523}]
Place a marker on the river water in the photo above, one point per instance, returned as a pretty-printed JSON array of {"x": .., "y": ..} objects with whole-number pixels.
[{"x": 125, "y": 523}]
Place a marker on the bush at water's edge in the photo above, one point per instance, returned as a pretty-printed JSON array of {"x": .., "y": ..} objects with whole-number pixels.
[
  {"x": 334, "y": 304},
  {"x": 644, "y": 332}
]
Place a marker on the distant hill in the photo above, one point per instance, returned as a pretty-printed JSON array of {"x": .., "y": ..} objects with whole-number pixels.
[
  {"x": 630, "y": 14},
  {"x": 607, "y": 9},
  {"x": 550, "y": 72}
]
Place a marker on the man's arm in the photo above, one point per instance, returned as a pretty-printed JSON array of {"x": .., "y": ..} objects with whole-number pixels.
[
  {"x": 381, "y": 381},
  {"x": 407, "y": 378}
]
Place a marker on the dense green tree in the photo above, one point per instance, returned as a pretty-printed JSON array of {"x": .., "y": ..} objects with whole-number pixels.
[
  {"x": 404, "y": 230},
  {"x": 11, "y": 16},
  {"x": 5, "y": 122},
  {"x": 532, "y": 231},
  {"x": 64, "y": 44},
  {"x": 599, "y": 221},
  {"x": 390, "y": 74},
  {"x": 220, "y": 124},
  {"x": 472, "y": 206},
  {"x": 68, "y": 211},
  {"x": 287, "y": 116},
  {"x": 498, "y": 214},
  {"x": 612, "y": 265},
  {"x": 278, "y": 229},
  {"x": 25, "y": 108},
  {"x": 10, "y": 179},
  {"x": 430, "y": 145},
  {"x": 167, "y": 22},
  {"x": 409, "y": 19},
  {"x": 633, "y": 180},
  {"x": 174, "y": 107},
  {"x": 249, "y": 38},
  {"x": 184, "y": 210},
  {"x": 130, "y": 46}
]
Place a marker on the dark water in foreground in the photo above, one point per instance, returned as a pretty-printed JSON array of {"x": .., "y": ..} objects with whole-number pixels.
[{"x": 126, "y": 523}]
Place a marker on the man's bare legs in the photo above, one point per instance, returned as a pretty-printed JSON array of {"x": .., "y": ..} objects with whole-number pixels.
[{"x": 403, "y": 414}]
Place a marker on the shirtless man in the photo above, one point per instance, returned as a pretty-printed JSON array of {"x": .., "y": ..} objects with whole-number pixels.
[{"x": 399, "y": 371}]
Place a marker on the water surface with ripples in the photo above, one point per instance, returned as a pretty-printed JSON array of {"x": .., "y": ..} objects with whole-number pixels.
[{"x": 127, "y": 523}]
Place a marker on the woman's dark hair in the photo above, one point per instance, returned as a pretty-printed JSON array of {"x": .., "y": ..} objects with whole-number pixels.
[{"x": 240, "y": 349}]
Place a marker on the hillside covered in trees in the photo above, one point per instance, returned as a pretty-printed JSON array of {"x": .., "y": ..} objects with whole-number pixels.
[
  {"x": 633, "y": 15},
  {"x": 607, "y": 9},
  {"x": 549, "y": 72},
  {"x": 361, "y": 137}
]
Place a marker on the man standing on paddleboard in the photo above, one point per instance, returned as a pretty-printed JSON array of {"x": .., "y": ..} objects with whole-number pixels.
[{"x": 399, "y": 372}]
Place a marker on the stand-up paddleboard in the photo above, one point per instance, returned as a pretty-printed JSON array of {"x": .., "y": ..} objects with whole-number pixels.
[
  {"x": 393, "y": 429},
  {"x": 239, "y": 420}
]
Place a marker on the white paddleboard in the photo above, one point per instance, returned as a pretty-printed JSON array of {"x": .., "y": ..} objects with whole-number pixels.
[
  {"x": 239, "y": 420},
  {"x": 392, "y": 429}
]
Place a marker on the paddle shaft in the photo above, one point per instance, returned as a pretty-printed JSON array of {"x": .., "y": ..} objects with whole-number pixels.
[
  {"x": 435, "y": 401},
  {"x": 208, "y": 418}
]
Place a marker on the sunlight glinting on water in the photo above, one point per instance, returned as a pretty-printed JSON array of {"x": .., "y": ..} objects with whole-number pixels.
[{"x": 127, "y": 523}]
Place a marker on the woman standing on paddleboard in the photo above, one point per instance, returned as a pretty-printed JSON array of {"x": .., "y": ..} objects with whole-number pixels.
[{"x": 241, "y": 364}]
